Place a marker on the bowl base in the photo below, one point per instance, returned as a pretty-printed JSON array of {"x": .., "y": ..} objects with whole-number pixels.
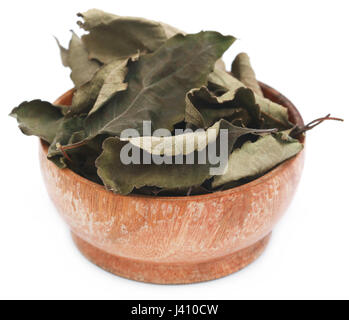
[{"x": 171, "y": 273}]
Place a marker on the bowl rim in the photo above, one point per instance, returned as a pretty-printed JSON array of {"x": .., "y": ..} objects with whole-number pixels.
[{"x": 293, "y": 111}]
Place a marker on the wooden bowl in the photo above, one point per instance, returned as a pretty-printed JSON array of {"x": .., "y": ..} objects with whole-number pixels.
[{"x": 174, "y": 240}]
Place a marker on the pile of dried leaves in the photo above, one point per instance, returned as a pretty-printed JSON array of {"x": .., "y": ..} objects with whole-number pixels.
[{"x": 130, "y": 70}]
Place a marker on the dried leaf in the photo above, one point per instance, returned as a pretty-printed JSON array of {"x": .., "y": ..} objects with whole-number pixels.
[
  {"x": 158, "y": 83},
  {"x": 256, "y": 158},
  {"x": 64, "y": 53},
  {"x": 95, "y": 17},
  {"x": 114, "y": 92},
  {"x": 123, "y": 178},
  {"x": 113, "y": 83},
  {"x": 38, "y": 118},
  {"x": 112, "y": 36},
  {"x": 107, "y": 81},
  {"x": 76, "y": 58},
  {"x": 203, "y": 108},
  {"x": 185, "y": 143},
  {"x": 124, "y": 31},
  {"x": 275, "y": 115},
  {"x": 241, "y": 69}
]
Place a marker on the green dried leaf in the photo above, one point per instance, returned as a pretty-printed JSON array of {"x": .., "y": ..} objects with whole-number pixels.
[
  {"x": 241, "y": 69},
  {"x": 113, "y": 83},
  {"x": 76, "y": 58},
  {"x": 107, "y": 81},
  {"x": 38, "y": 118},
  {"x": 122, "y": 178},
  {"x": 158, "y": 83},
  {"x": 94, "y": 17},
  {"x": 203, "y": 108},
  {"x": 114, "y": 92},
  {"x": 256, "y": 158},
  {"x": 111, "y": 36},
  {"x": 129, "y": 36},
  {"x": 275, "y": 115}
]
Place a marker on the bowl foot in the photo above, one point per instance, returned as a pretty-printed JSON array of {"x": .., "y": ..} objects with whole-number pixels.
[{"x": 171, "y": 273}]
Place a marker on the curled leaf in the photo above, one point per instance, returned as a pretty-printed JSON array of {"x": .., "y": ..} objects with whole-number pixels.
[
  {"x": 241, "y": 69},
  {"x": 204, "y": 108},
  {"x": 184, "y": 143},
  {"x": 275, "y": 115}
]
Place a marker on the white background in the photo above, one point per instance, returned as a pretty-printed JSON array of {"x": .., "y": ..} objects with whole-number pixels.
[{"x": 299, "y": 47}]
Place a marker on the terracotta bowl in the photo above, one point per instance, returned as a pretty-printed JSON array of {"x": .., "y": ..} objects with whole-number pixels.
[{"x": 174, "y": 240}]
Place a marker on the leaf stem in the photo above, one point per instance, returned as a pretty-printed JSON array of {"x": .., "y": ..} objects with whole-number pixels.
[
  {"x": 73, "y": 146},
  {"x": 311, "y": 125},
  {"x": 59, "y": 147}
]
